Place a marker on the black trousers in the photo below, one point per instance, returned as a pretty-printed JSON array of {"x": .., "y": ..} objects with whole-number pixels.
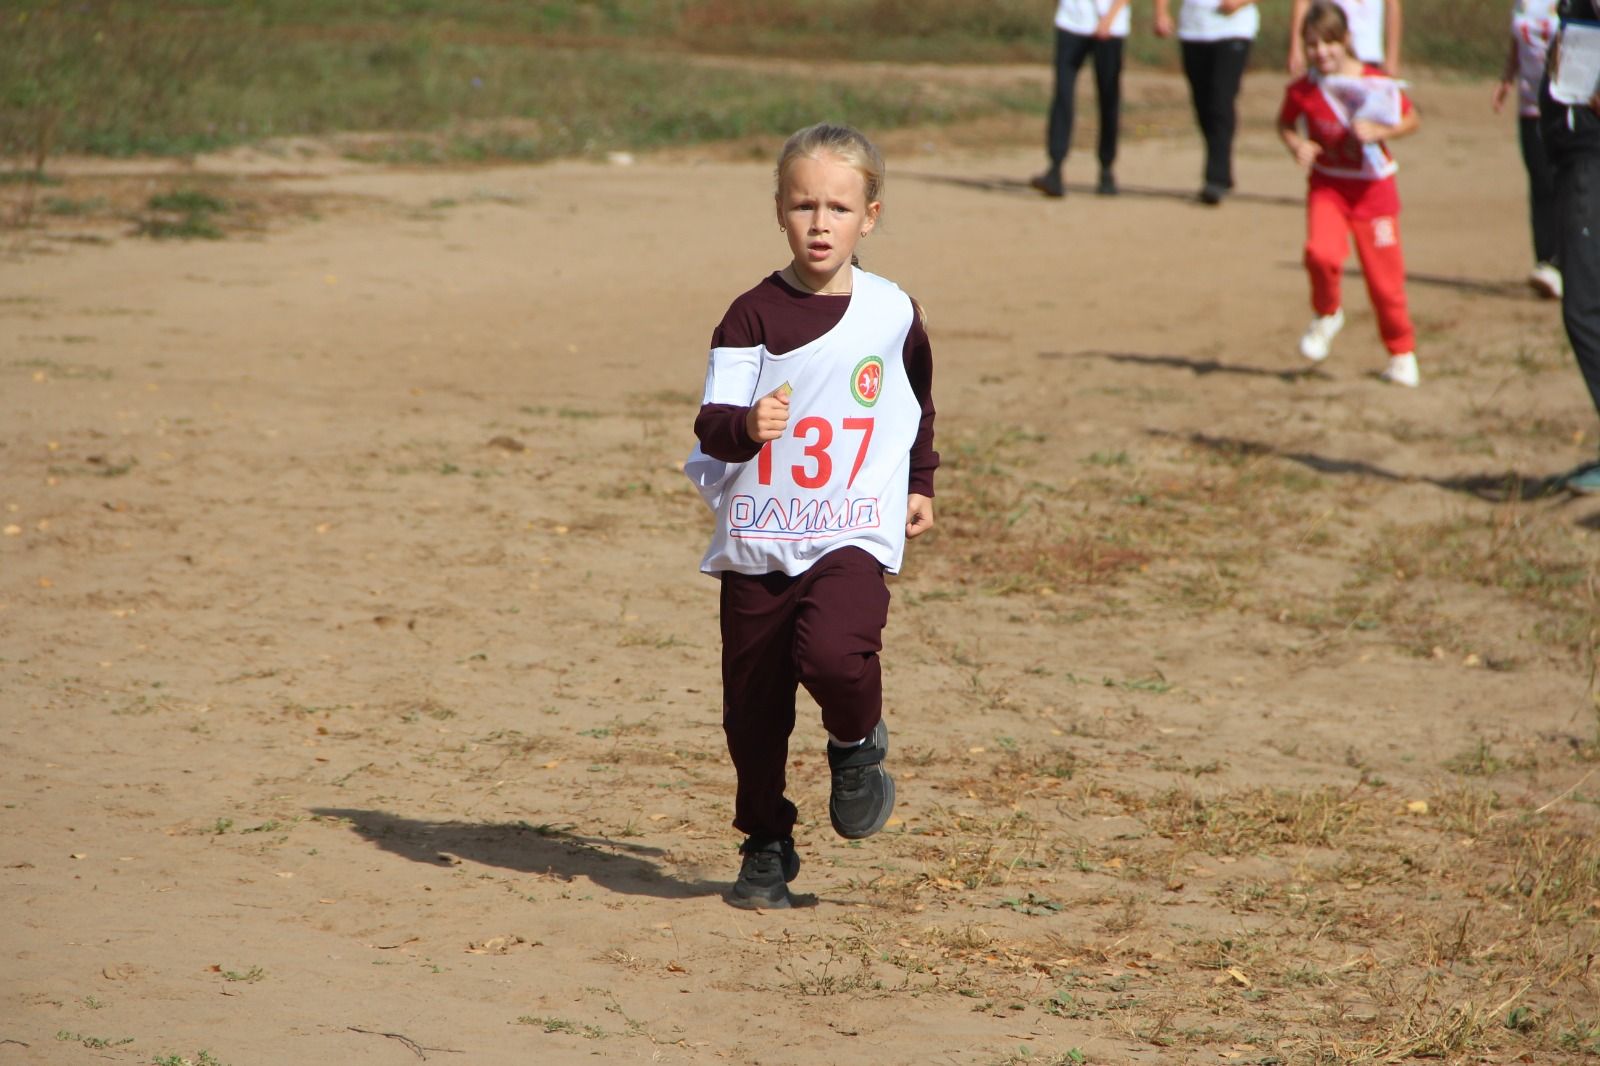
[
  {"x": 823, "y": 630},
  {"x": 1541, "y": 190},
  {"x": 1577, "y": 185},
  {"x": 1071, "y": 50},
  {"x": 1215, "y": 70}
]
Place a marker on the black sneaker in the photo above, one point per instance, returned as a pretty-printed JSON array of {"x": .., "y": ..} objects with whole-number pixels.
[
  {"x": 1108, "y": 183},
  {"x": 768, "y": 867},
  {"x": 1049, "y": 183},
  {"x": 1212, "y": 194},
  {"x": 863, "y": 791}
]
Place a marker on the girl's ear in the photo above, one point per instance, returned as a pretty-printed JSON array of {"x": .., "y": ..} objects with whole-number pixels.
[{"x": 871, "y": 219}]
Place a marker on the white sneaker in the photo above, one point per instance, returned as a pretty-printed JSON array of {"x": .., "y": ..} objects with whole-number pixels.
[
  {"x": 1546, "y": 281},
  {"x": 1402, "y": 370},
  {"x": 1319, "y": 335}
]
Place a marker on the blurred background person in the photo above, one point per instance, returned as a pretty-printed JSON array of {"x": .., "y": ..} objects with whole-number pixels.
[
  {"x": 1533, "y": 26},
  {"x": 1214, "y": 36},
  {"x": 1571, "y": 134},
  {"x": 1085, "y": 29}
]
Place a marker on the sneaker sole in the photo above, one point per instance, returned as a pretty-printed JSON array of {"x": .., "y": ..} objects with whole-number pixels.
[{"x": 759, "y": 903}]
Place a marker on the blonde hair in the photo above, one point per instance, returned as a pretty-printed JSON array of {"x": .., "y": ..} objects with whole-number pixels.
[
  {"x": 1326, "y": 21},
  {"x": 845, "y": 143}
]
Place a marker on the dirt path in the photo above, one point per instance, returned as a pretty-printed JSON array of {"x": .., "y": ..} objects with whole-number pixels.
[{"x": 358, "y": 684}]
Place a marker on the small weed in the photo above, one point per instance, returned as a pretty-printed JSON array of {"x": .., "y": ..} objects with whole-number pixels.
[
  {"x": 250, "y": 976},
  {"x": 187, "y": 201},
  {"x": 1064, "y": 1005},
  {"x": 562, "y": 1025},
  {"x": 63, "y": 206},
  {"x": 186, "y": 214},
  {"x": 1476, "y": 762},
  {"x": 202, "y": 1058},
  {"x": 95, "y": 1042},
  {"x": 1031, "y": 904},
  {"x": 1582, "y": 1040}
]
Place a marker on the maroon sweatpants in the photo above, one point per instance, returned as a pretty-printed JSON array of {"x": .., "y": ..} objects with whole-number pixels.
[{"x": 823, "y": 630}]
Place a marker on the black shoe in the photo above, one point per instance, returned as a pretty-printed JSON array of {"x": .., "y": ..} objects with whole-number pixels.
[
  {"x": 863, "y": 791},
  {"x": 769, "y": 865},
  {"x": 1108, "y": 183},
  {"x": 1212, "y": 194},
  {"x": 1049, "y": 183}
]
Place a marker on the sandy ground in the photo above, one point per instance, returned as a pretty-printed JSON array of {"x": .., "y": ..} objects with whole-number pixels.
[{"x": 358, "y": 690}]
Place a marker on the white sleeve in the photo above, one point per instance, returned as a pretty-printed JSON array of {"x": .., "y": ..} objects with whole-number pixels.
[{"x": 732, "y": 374}]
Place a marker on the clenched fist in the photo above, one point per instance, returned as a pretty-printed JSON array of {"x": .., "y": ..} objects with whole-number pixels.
[{"x": 768, "y": 417}]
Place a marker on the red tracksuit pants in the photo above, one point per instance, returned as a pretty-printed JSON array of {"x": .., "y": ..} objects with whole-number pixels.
[
  {"x": 822, "y": 629},
  {"x": 1329, "y": 227}
]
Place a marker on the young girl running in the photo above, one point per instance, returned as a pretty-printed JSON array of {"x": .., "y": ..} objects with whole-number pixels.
[
  {"x": 816, "y": 454},
  {"x": 1349, "y": 109}
]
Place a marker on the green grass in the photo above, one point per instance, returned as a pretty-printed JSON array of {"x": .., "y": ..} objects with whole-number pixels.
[{"x": 487, "y": 79}]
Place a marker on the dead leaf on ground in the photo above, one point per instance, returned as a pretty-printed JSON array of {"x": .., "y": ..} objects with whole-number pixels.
[{"x": 495, "y": 945}]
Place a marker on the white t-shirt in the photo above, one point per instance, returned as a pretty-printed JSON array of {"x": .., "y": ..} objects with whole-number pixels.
[
  {"x": 1366, "y": 28},
  {"x": 841, "y": 472},
  {"x": 1082, "y": 16},
  {"x": 1199, "y": 20},
  {"x": 1533, "y": 26}
]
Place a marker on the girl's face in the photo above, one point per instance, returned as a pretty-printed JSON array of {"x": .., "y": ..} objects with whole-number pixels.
[
  {"x": 823, "y": 209},
  {"x": 1330, "y": 56}
]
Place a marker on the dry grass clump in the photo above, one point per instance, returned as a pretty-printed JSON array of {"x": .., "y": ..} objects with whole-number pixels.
[
  {"x": 1348, "y": 926},
  {"x": 1258, "y": 819}
]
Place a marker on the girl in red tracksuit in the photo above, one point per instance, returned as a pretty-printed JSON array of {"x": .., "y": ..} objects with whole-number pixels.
[{"x": 1334, "y": 121}]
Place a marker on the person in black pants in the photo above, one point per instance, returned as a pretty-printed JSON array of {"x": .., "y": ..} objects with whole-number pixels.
[
  {"x": 1215, "y": 37},
  {"x": 1533, "y": 27},
  {"x": 1571, "y": 136},
  {"x": 1086, "y": 28}
]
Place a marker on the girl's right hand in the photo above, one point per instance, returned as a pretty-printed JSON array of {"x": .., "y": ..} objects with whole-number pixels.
[
  {"x": 1306, "y": 152},
  {"x": 1165, "y": 27},
  {"x": 768, "y": 417}
]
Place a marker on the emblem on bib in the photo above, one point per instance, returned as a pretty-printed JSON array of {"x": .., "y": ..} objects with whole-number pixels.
[{"x": 866, "y": 383}]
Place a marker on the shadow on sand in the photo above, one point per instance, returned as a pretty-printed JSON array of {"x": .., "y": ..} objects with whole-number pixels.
[
  {"x": 1504, "y": 289},
  {"x": 1518, "y": 289},
  {"x": 1197, "y": 367},
  {"x": 1508, "y": 487},
  {"x": 633, "y": 869},
  {"x": 1020, "y": 187}
]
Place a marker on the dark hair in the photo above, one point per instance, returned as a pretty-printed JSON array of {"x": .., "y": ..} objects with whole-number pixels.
[{"x": 1325, "y": 21}]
